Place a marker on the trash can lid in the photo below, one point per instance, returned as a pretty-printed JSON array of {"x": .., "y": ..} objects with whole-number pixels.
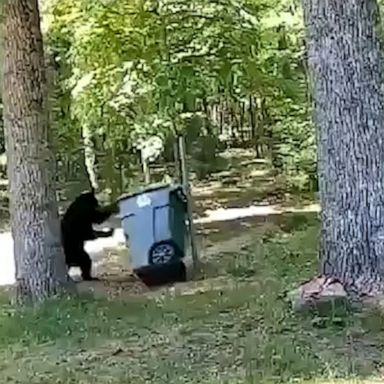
[{"x": 149, "y": 188}]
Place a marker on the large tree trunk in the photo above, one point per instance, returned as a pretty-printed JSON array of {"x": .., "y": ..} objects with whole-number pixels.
[
  {"x": 346, "y": 66},
  {"x": 39, "y": 258}
]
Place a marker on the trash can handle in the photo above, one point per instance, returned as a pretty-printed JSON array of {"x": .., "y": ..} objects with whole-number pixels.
[
  {"x": 181, "y": 194},
  {"x": 122, "y": 217}
]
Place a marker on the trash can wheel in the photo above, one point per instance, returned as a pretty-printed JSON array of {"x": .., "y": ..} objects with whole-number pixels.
[{"x": 163, "y": 252}]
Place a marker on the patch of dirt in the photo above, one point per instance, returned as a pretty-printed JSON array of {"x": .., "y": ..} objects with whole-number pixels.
[
  {"x": 117, "y": 279},
  {"x": 214, "y": 240},
  {"x": 121, "y": 286}
]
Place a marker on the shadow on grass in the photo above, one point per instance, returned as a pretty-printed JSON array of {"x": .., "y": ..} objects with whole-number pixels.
[
  {"x": 235, "y": 326},
  {"x": 245, "y": 184},
  {"x": 218, "y": 231},
  {"x": 243, "y": 332}
]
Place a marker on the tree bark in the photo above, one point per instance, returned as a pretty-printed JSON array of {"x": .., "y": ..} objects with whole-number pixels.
[
  {"x": 90, "y": 156},
  {"x": 39, "y": 258},
  {"x": 346, "y": 68}
]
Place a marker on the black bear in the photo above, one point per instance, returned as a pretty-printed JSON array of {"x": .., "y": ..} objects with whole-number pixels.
[{"x": 76, "y": 228}]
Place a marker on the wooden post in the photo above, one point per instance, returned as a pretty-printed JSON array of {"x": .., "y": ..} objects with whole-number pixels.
[
  {"x": 178, "y": 171},
  {"x": 145, "y": 165},
  {"x": 187, "y": 191}
]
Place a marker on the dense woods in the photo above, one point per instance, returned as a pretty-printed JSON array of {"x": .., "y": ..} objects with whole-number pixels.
[
  {"x": 280, "y": 106},
  {"x": 226, "y": 74}
]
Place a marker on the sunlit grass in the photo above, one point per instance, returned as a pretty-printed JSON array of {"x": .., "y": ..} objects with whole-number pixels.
[{"x": 244, "y": 332}]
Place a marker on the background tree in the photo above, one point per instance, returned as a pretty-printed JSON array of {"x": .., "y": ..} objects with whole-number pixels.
[
  {"x": 223, "y": 86},
  {"x": 40, "y": 267},
  {"x": 232, "y": 77},
  {"x": 346, "y": 64}
]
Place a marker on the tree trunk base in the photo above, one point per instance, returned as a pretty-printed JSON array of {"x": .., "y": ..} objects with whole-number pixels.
[
  {"x": 319, "y": 291},
  {"x": 27, "y": 292},
  {"x": 324, "y": 291}
]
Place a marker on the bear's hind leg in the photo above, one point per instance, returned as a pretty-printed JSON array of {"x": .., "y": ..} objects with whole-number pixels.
[{"x": 85, "y": 264}]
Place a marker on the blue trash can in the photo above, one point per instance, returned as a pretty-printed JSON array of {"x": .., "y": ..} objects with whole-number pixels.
[{"x": 154, "y": 224}]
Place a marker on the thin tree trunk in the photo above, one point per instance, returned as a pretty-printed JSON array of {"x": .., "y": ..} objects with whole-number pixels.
[
  {"x": 346, "y": 66},
  {"x": 221, "y": 114},
  {"x": 241, "y": 120},
  {"x": 89, "y": 156},
  {"x": 146, "y": 170},
  {"x": 72, "y": 177},
  {"x": 254, "y": 125},
  {"x": 39, "y": 258},
  {"x": 234, "y": 127}
]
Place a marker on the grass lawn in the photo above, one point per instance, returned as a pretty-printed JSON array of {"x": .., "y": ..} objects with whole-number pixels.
[{"x": 241, "y": 332}]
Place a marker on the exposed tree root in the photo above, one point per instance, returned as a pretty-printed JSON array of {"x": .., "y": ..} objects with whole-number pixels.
[{"x": 320, "y": 290}]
